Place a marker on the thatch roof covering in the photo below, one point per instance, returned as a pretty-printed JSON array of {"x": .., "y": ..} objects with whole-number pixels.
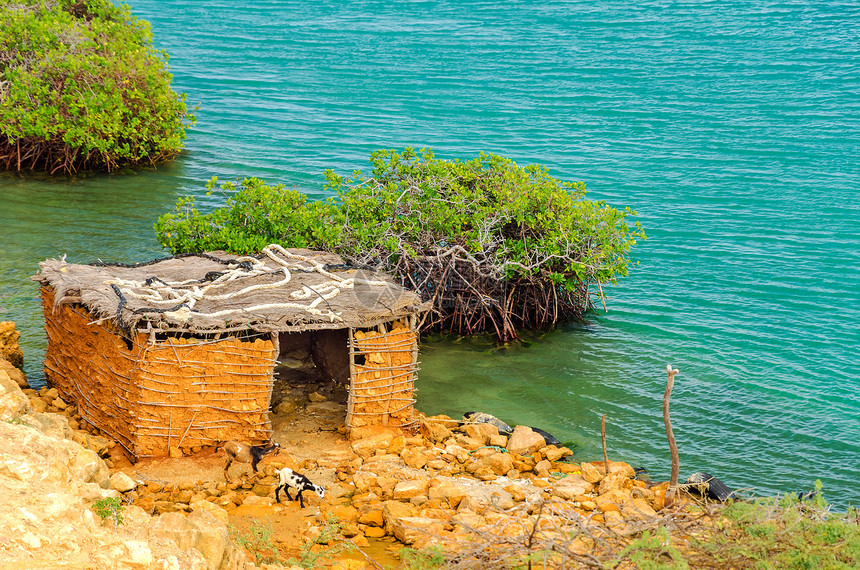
[{"x": 283, "y": 290}]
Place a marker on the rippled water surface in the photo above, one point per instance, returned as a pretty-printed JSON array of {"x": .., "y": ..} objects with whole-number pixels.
[{"x": 732, "y": 128}]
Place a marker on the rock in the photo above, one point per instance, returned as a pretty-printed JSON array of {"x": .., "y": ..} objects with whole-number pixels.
[
  {"x": 372, "y": 518},
  {"x": 622, "y": 467},
  {"x": 38, "y": 405},
  {"x": 291, "y": 363},
  {"x": 447, "y": 491},
  {"x": 316, "y": 397},
  {"x": 9, "y": 348},
  {"x": 406, "y": 490},
  {"x": 542, "y": 468},
  {"x": 286, "y": 407},
  {"x": 122, "y": 482},
  {"x": 16, "y": 374},
  {"x": 516, "y": 493},
  {"x": 435, "y": 431},
  {"x": 397, "y": 445},
  {"x": 409, "y": 530},
  {"x": 498, "y": 440},
  {"x": 211, "y": 508},
  {"x": 459, "y": 453},
  {"x": 639, "y": 508},
  {"x": 571, "y": 486},
  {"x": 367, "y": 446},
  {"x": 414, "y": 457},
  {"x": 175, "y": 452},
  {"x": 257, "y": 500},
  {"x": 611, "y": 501},
  {"x": 59, "y": 403},
  {"x": 553, "y": 453},
  {"x": 468, "y": 443},
  {"x": 481, "y": 432},
  {"x": 344, "y": 513},
  {"x": 392, "y": 510},
  {"x": 13, "y": 402},
  {"x": 498, "y": 463},
  {"x": 212, "y": 537},
  {"x": 174, "y": 526},
  {"x": 525, "y": 441},
  {"x": 615, "y": 480},
  {"x": 590, "y": 473}
]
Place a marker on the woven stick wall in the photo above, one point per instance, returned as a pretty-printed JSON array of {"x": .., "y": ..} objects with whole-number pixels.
[
  {"x": 196, "y": 392},
  {"x": 153, "y": 396},
  {"x": 383, "y": 363},
  {"x": 91, "y": 366}
]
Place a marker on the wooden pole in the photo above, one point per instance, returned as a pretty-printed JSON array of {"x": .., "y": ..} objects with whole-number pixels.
[
  {"x": 673, "y": 481},
  {"x": 603, "y": 438}
]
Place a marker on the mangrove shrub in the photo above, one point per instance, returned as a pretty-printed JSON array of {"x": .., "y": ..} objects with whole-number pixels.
[
  {"x": 493, "y": 245},
  {"x": 81, "y": 87}
]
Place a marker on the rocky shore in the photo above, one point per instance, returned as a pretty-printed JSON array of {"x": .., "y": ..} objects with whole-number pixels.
[{"x": 464, "y": 488}]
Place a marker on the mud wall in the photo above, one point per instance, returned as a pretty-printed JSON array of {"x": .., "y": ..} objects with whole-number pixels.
[
  {"x": 92, "y": 367},
  {"x": 196, "y": 392},
  {"x": 150, "y": 397},
  {"x": 383, "y": 361}
]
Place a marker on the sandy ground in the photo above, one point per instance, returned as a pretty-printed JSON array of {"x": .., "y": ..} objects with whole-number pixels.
[{"x": 309, "y": 434}]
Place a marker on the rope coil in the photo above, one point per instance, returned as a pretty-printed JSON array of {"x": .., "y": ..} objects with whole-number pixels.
[{"x": 181, "y": 297}]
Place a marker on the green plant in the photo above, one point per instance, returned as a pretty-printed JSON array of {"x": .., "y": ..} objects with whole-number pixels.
[
  {"x": 82, "y": 87},
  {"x": 784, "y": 533},
  {"x": 327, "y": 545},
  {"x": 110, "y": 508},
  {"x": 425, "y": 559},
  {"x": 257, "y": 540},
  {"x": 653, "y": 550},
  {"x": 494, "y": 245}
]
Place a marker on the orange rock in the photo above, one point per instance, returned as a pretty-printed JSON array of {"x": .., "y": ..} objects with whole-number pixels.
[
  {"x": 344, "y": 513},
  {"x": 397, "y": 445},
  {"x": 372, "y": 518},
  {"x": 525, "y": 441},
  {"x": 481, "y": 432}
]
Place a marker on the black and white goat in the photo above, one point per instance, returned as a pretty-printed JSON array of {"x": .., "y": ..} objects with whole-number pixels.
[
  {"x": 246, "y": 453},
  {"x": 288, "y": 478}
]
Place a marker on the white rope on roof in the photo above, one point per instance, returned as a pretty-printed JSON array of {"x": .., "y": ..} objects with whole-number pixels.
[{"x": 187, "y": 293}]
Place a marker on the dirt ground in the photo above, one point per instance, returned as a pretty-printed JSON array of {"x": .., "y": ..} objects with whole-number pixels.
[{"x": 305, "y": 435}]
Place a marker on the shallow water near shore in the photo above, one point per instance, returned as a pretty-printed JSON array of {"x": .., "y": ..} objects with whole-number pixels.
[{"x": 732, "y": 130}]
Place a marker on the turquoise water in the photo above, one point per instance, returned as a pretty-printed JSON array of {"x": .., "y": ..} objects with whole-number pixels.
[{"x": 732, "y": 128}]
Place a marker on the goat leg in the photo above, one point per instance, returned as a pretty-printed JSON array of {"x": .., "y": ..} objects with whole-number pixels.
[{"x": 301, "y": 501}]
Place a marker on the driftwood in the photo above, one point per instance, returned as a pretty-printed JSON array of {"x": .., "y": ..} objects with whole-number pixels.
[
  {"x": 603, "y": 439},
  {"x": 670, "y": 435}
]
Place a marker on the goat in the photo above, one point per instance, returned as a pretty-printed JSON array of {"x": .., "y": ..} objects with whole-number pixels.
[
  {"x": 288, "y": 478},
  {"x": 246, "y": 453}
]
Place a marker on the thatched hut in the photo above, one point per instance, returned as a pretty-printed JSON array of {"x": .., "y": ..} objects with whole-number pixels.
[{"x": 179, "y": 352}]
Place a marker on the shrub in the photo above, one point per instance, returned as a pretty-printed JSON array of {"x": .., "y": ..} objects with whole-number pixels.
[
  {"x": 257, "y": 541},
  {"x": 110, "y": 508},
  {"x": 81, "y": 87},
  {"x": 494, "y": 245}
]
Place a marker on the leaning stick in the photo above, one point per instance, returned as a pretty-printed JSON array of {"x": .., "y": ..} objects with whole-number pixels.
[
  {"x": 673, "y": 482},
  {"x": 603, "y": 437}
]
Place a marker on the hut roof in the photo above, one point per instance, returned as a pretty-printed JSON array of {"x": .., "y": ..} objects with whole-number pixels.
[{"x": 282, "y": 290}]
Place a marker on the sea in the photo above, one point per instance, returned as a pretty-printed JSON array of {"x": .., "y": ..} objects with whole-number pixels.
[{"x": 731, "y": 128}]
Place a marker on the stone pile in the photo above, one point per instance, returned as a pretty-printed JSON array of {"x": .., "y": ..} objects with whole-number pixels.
[
  {"x": 49, "y": 483},
  {"x": 451, "y": 481}
]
